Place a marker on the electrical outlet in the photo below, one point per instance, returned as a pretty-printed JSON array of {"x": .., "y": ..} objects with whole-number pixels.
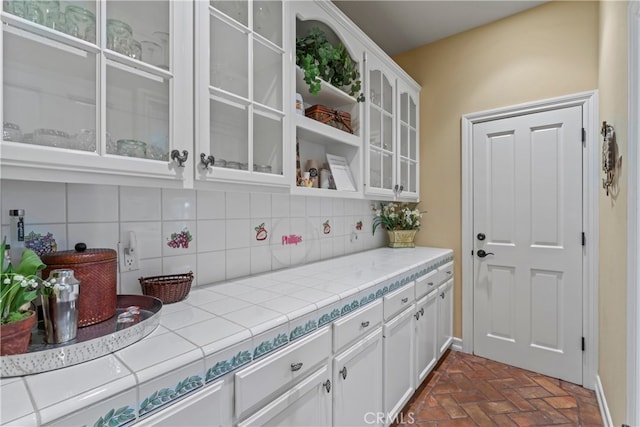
[{"x": 128, "y": 261}]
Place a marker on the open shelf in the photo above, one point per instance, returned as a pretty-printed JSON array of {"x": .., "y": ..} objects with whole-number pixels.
[{"x": 315, "y": 131}]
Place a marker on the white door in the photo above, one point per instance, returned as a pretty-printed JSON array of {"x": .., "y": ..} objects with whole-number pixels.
[
  {"x": 527, "y": 218},
  {"x": 357, "y": 382}
]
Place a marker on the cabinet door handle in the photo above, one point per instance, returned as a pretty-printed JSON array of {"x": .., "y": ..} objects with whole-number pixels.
[
  {"x": 442, "y": 295},
  {"x": 180, "y": 159},
  {"x": 296, "y": 366},
  {"x": 207, "y": 161},
  {"x": 365, "y": 324},
  {"x": 405, "y": 300},
  {"x": 449, "y": 272},
  {"x": 422, "y": 311},
  {"x": 327, "y": 385},
  {"x": 430, "y": 284},
  {"x": 417, "y": 315},
  {"x": 343, "y": 372}
]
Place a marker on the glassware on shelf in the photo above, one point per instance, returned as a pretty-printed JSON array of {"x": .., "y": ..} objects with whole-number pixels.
[
  {"x": 220, "y": 163},
  {"x": 81, "y": 23},
  {"x": 163, "y": 38},
  {"x": 52, "y": 138},
  {"x": 135, "y": 50},
  {"x": 262, "y": 168},
  {"x": 151, "y": 52},
  {"x": 156, "y": 153},
  {"x": 132, "y": 148},
  {"x": 233, "y": 165},
  {"x": 86, "y": 140},
  {"x": 51, "y": 13},
  {"x": 33, "y": 13},
  {"x": 119, "y": 35},
  {"x": 11, "y": 132}
]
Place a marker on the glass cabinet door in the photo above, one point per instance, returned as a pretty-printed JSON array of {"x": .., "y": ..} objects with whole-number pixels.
[
  {"x": 92, "y": 84},
  {"x": 240, "y": 90},
  {"x": 408, "y": 144},
  {"x": 381, "y": 135}
]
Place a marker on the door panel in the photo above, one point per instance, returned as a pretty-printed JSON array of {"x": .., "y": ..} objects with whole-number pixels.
[{"x": 528, "y": 202}]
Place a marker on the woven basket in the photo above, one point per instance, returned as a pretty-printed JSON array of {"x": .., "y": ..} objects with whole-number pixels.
[
  {"x": 97, "y": 271},
  {"x": 168, "y": 289},
  {"x": 337, "y": 119}
]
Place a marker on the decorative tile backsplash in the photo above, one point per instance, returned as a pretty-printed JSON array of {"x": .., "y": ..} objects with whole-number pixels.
[{"x": 217, "y": 235}]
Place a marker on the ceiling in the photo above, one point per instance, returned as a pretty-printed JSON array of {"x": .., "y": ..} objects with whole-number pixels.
[{"x": 397, "y": 25}]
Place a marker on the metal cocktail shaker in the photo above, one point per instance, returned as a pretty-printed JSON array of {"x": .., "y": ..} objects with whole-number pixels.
[{"x": 60, "y": 306}]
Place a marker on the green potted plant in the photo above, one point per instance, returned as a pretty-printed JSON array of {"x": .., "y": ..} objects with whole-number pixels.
[
  {"x": 19, "y": 286},
  {"x": 401, "y": 221},
  {"x": 319, "y": 59}
]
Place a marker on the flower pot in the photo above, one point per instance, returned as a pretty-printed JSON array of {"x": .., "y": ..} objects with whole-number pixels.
[
  {"x": 401, "y": 238},
  {"x": 15, "y": 336}
]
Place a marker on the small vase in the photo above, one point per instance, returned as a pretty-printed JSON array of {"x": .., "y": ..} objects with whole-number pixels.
[
  {"x": 401, "y": 238},
  {"x": 15, "y": 336}
]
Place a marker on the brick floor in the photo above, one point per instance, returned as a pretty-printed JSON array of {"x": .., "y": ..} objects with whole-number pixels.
[{"x": 467, "y": 390}]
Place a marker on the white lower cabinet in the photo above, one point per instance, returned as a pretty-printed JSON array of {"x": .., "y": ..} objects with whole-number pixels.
[
  {"x": 308, "y": 403},
  {"x": 426, "y": 322},
  {"x": 357, "y": 383},
  {"x": 445, "y": 316},
  {"x": 398, "y": 371},
  {"x": 211, "y": 406}
]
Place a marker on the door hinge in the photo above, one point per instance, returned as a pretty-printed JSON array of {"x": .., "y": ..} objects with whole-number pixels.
[
  {"x": 584, "y": 137},
  {"x": 584, "y": 239},
  {"x": 583, "y": 344}
]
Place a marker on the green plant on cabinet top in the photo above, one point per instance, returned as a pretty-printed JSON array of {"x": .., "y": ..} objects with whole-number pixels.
[{"x": 319, "y": 59}]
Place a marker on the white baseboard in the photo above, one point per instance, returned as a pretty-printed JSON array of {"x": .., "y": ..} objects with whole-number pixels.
[
  {"x": 602, "y": 403},
  {"x": 456, "y": 344}
]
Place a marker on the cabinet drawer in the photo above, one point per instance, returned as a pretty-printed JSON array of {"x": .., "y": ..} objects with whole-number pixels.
[
  {"x": 273, "y": 373},
  {"x": 398, "y": 301},
  {"x": 347, "y": 329},
  {"x": 426, "y": 284},
  {"x": 431, "y": 281}
]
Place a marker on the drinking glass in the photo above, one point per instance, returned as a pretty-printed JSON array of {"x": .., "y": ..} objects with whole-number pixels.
[
  {"x": 81, "y": 23},
  {"x": 135, "y": 50},
  {"x": 33, "y": 12},
  {"x": 51, "y": 13},
  {"x": 163, "y": 37},
  {"x": 119, "y": 35},
  {"x": 151, "y": 52}
]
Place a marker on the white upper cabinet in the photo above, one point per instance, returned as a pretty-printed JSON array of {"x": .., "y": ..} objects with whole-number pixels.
[
  {"x": 239, "y": 89},
  {"x": 392, "y": 134},
  {"x": 95, "y": 90},
  {"x": 329, "y": 122}
]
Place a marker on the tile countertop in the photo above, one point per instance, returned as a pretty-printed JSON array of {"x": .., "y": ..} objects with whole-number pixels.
[{"x": 214, "y": 331}]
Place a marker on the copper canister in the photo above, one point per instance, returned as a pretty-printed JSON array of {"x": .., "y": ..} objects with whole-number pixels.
[{"x": 96, "y": 269}]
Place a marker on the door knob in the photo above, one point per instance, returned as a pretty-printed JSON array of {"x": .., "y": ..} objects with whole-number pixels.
[{"x": 482, "y": 253}]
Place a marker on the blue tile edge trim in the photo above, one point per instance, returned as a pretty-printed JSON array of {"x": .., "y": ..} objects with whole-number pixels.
[
  {"x": 268, "y": 346},
  {"x": 117, "y": 417},
  {"x": 225, "y": 366},
  {"x": 165, "y": 396},
  {"x": 300, "y": 330}
]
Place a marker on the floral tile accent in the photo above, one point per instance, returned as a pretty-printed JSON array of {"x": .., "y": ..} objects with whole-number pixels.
[
  {"x": 225, "y": 366},
  {"x": 117, "y": 417},
  {"x": 359, "y": 225},
  {"x": 349, "y": 307},
  {"x": 162, "y": 397},
  {"x": 300, "y": 330},
  {"x": 270, "y": 345},
  {"x": 329, "y": 317},
  {"x": 367, "y": 299},
  {"x": 180, "y": 240},
  {"x": 261, "y": 232},
  {"x": 326, "y": 227}
]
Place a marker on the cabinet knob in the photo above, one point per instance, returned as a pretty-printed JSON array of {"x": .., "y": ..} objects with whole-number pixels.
[
  {"x": 417, "y": 315},
  {"x": 296, "y": 366},
  {"x": 343, "y": 372},
  {"x": 365, "y": 324},
  {"x": 180, "y": 159},
  {"x": 327, "y": 385},
  {"x": 422, "y": 311},
  {"x": 207, "y": 161},
  {"x": 442, "y": 295}
]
